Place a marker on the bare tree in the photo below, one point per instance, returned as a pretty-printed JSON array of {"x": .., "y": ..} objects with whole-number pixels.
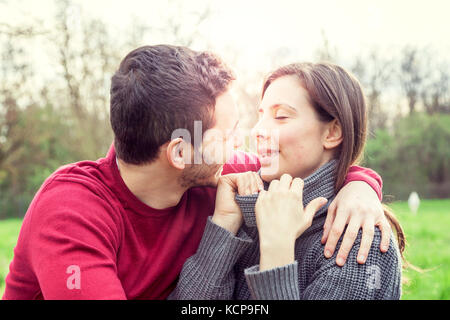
[
  {"x": 88, "y": 57},
  {"x": 16, "y": 100},
  {"x": 180, "y": 26},
  {"x": 326, "y": 51},
  {"x": 21, "y": 31},
  {"x": 15, "y": 75},
  {"x": 411, "y": 75},
  {"x": 435, "y": 94},
  {"x": 374, "y": 72}
]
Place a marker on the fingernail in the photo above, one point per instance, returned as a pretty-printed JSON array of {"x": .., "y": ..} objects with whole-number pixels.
[
  {"x": 340, "y": 261},
  {"x": 327, "y": 253},
  {"x": 385, "y": 248},
  {"x": 361, "y": 258}
]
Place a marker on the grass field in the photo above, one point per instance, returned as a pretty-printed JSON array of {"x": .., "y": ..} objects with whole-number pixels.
[{"x": 428, "y": 247}]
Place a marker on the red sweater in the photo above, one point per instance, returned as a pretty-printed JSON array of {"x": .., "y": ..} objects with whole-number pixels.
[{"x": 86, "y": 236}]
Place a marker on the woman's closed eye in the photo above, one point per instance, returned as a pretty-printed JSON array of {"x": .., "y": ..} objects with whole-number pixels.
[
  {"x": 280, "y": 115},
  {"x": 277, "y": 113},
  {"x": 282, "y": 112}
]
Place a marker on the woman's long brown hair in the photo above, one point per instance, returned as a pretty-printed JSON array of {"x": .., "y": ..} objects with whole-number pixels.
[{"x": 336, "y": 94}]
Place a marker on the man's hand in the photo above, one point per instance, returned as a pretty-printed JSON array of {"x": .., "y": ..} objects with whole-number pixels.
[
  {"x": 357, "y": 205},
  {"x": 227, "y": 213}
]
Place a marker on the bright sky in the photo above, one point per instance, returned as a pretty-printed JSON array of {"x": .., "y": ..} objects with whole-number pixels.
[
  {"x": 254, "y": 29},
  {"x": 259, "y": 26}
]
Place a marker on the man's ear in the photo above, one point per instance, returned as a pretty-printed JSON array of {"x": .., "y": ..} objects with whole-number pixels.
[
  {"x": 333, "y": 135},
  {"x": 177, "y": 150}
]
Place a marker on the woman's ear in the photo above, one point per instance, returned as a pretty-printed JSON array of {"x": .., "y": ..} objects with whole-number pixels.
[
  {"x": 177, "y": 152},
  {"x": 333, "y": 135}
]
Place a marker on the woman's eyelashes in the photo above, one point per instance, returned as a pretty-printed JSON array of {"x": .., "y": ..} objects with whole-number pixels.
[
  {"x": 280, "y": 115},
  {"x": 277, "y": 114}
]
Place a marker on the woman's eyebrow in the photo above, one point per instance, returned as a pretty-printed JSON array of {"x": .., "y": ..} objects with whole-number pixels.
[
  {"x": 283, "y": 105},
  {"x": 278, "y": 105}
]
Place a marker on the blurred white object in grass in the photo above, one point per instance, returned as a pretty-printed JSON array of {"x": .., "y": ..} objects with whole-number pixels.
[{"x": 413, "y": 202}]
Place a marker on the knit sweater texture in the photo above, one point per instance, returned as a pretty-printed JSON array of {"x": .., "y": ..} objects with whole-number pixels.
[{"x": 225, "y": 266}]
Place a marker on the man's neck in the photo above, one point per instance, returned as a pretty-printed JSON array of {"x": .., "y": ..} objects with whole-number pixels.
[{"x": 154, "y": 184}]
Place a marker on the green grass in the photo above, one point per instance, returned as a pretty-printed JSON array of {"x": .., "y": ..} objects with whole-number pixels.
[
  {"x": 428, "y": 247},
  {"x": 9, "y": 231}
]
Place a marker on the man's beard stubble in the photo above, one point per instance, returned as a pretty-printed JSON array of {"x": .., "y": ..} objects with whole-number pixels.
[{"x": 201, "y": 175}]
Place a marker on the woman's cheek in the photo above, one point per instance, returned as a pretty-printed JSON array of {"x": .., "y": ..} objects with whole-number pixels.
[
  {"x": 292, "y": 140},
  {"x": 292, "y": 150}
]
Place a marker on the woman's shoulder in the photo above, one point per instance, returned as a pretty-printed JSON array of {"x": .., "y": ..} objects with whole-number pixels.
[
  {"x": 378, "y": 278},
  {"x": 313, "y": 251}
]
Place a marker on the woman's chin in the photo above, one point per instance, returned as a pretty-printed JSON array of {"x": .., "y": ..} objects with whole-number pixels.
[
  {"x": 270, "y": 168},
  {"x": 268, "y": 174}
]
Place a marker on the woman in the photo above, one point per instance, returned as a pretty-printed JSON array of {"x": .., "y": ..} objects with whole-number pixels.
[{"x": 319, "y": 116}]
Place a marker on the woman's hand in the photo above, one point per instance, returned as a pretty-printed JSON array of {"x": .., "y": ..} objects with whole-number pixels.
[
  {"x": 227, "y": 213},
  {"x": 357, "y": 205},
  {"x": 281, "y": 219}
]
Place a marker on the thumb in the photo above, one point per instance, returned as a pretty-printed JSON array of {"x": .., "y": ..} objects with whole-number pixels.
[
  {"x": 230, "y": 179},
  {"x": 314, "y": 206},
  {"x": 229, "y": 182}
]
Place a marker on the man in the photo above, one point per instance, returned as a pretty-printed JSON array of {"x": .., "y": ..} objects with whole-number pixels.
[{"x": 121, "y": 227}]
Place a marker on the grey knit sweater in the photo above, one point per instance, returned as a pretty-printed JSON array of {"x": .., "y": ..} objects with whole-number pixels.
[{"x": 225, "y": 266}]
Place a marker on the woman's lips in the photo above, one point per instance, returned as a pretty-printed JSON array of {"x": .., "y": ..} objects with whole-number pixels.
[{"x": 266, "y": 157}]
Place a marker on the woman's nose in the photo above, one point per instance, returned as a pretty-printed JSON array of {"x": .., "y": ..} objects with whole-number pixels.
[
  {"x": 237, "y": 140},
  {"x": 259, "y": 131}
]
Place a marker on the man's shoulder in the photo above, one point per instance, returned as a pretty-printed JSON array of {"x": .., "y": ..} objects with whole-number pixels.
[
  {"x": 74, "y": 190},
  {"x": 79, "y": 177},
  {"x": 241, "y": 161}
]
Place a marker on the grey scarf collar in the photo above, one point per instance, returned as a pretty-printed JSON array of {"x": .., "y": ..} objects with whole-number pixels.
[{"x": 319, "y": 184}]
